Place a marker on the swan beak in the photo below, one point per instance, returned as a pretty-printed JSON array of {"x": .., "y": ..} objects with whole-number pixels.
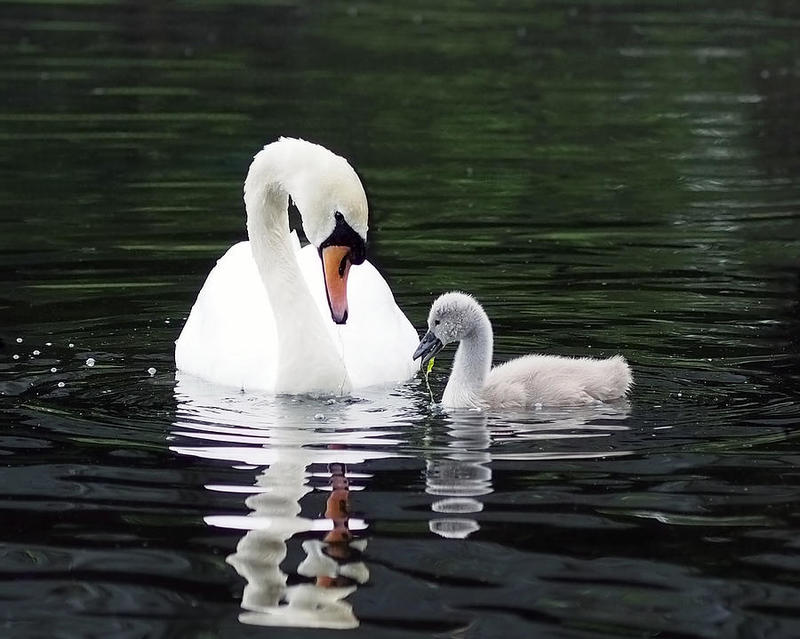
[
  {"x": 335, "y": 267},
  {"x": 428, "y": 347}
]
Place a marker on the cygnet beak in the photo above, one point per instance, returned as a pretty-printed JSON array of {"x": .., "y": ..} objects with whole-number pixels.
[
  {"x": 428, "y": 347},
  {"x": 335, "y": 267}
]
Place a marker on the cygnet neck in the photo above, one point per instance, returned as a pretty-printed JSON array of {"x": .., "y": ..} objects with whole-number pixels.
[{"x": 471, "y": 365}]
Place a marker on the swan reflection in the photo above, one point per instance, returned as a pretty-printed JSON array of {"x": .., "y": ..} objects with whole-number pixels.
[
  {"x": 283, "y": 438},
  {"x": 295, "y": 446},
  {"x": 331, "y": 562},
  {"x": 459, "y": 474}
]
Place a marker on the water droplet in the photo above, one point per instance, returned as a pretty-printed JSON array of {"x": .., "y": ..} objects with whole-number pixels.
[
  {"x": 48, "y": 343},
  {"x": 71, "y": 345},
  {"x": 61, "y": 384},
  {"x": 319, "y": 416},
  {"x": 90, "y": 362},
  {"x": 19, "y": 340},
  {"x": 538, "y": 406},
  {"x": 330, "y": 402},
  {"x": 152, "y": 371},
  {"x": 37, "y": 352},
  {"x": 53, "y": 370},
  {"x": 15, "y": 357}
]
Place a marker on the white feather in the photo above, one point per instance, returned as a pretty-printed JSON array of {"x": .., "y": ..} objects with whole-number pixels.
[{"x": 261, "y": 320}]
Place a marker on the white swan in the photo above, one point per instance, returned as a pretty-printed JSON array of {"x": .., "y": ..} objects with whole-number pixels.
[
  {"x": 520, "y": 383},
  {"x": 269, "y": 317}
]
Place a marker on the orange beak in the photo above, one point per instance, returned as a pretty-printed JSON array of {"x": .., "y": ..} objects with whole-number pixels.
[{"x": 335, "y": 267}]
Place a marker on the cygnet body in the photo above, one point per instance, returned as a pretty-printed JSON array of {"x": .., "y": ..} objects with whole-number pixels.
[{"x": 524, "y": 382}]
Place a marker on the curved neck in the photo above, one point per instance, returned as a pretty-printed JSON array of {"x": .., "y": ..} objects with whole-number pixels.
[
  {"x": 471, "y": 366},
  {"x": 308, "y": 360}
]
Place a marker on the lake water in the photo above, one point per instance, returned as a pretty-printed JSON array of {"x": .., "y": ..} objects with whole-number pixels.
[{"x": 604, "y": 176}]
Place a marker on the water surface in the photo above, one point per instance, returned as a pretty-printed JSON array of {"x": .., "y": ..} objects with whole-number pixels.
[{"x": 604, "y": 176}]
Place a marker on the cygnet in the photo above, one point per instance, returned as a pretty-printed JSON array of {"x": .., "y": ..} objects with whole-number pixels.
[{"x": 525, "y": 382}]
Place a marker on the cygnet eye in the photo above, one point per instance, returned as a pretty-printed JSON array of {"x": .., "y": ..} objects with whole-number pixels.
[{"x": 437, "y": 322}]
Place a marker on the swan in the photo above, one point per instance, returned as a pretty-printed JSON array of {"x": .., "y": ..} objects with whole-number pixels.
[
  {"x": 524, "y": 382},
  {"x": 268, "y": 318}
]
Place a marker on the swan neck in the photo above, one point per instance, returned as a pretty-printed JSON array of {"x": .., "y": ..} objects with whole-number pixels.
[
  {"x": 307, "y": 357},
  {"x": 471, "y": 367}
]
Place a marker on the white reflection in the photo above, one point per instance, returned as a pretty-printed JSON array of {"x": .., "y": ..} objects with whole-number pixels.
[
  {"x": 282, "y": 437},
  {"x": 459, "y": 474}
]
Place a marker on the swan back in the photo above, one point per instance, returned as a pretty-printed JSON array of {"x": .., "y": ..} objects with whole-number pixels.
[
  {"x": 320, "y": 183},
  {"x": 553, "y": 380}
]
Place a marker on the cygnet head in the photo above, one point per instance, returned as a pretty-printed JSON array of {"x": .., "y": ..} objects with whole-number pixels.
[{"x": 453, "y": 316}]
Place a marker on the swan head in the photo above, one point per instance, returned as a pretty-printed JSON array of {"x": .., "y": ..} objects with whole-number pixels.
[
  {"x": 453, "y": 316},
  {"x": 332, "y": 204}
]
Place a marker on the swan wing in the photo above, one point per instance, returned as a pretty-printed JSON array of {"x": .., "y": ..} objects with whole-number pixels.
[
  {"x": 552, "y": 380},
  {"x": 377, "y": 341},
  {"x": 229, "y": 337}
]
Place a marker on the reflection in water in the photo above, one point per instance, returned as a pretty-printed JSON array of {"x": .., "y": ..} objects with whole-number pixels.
[
  {"x": 285, "y": 436},
  {"x": 459, "y": 475},
  {"x": 331, "y": 562},
  {"x": 286, "y": 440},
  {"x": 460, "y": 471}
]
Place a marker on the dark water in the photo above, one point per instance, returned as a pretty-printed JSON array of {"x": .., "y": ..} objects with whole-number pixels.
[{"x": 605, "y": 176}]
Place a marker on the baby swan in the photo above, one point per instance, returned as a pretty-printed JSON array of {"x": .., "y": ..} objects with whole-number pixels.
[{"x": 524, "y": 382}]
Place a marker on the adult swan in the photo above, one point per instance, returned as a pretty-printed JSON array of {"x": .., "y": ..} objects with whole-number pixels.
[{"x": 269, "y": 318}]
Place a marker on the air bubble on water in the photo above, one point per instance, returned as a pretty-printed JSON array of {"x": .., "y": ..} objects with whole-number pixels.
[
  {"x": 54, "y": 370},
  {"x": 538, "y": 405},
  {"x": 330, "y": 402},
  {"x": 19, "y": 340},
  {"x": 37, "y": 352},
  {"x": 71, "y": 345},
  {"x": 15, "y": 357},
  {"x": 166, "y": 321},
  {"x": 152, "y": 371},
  {"x": 319, "y": 417},
  {"x": 48, "y": 343},
  {"x": 61, "y": 384},
  {"x": 680, "y": 394},
  {"x": 90, "y": 362}
]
